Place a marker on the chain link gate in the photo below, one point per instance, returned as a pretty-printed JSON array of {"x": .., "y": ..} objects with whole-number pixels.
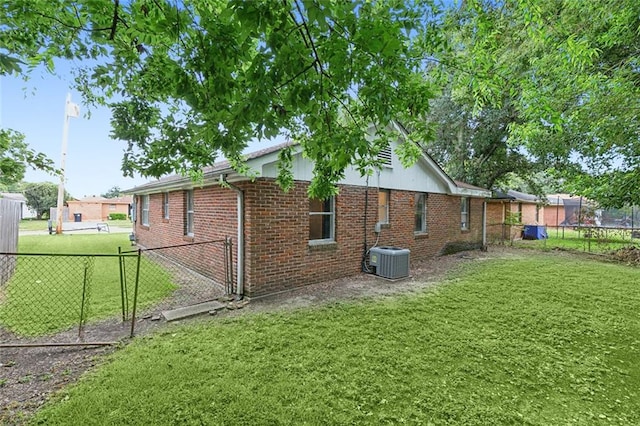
[
  {"x": 53, "y": 299},
  {"x": 169, "y": 277}
]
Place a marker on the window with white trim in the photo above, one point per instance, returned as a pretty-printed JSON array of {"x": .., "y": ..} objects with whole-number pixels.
[
  {"x": 165, "y": 205},
  {"x": 465, "y": 202},
  {"x": 383, "y": 206},
  {"x": 420, "y": 226},
  {"x": 189, "y": 213},
  {"x": 144, "y": 210},
  {"x": 322, "y": 220}
]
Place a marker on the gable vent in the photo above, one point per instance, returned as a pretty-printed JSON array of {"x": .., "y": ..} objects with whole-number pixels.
[{"x": 384, "y": 156}]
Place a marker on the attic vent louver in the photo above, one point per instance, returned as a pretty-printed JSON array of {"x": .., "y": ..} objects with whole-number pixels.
[{"x": 385, "y": 156}]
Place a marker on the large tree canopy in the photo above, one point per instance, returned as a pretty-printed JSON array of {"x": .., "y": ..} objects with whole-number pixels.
[
  {"x": 15, "y": 157},
  {"x": 194, "y": 78},
  {"x": 572, "y": 71},
  {"x": 189, "y": 79},
  {"x": 473, "y": 145},
  {"x": 113, "y": 192},
  {"x": 41, "y": 197}
]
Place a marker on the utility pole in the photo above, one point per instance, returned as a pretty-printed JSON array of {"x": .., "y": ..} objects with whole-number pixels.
[{"x": 70, "y": 110}]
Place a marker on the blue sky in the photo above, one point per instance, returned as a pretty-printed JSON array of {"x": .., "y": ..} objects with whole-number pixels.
[{"x": 36, "y": 109}]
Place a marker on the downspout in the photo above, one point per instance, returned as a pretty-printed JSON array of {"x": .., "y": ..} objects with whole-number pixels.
[
  {"x": 240, "y": 255},
  {"x": 484, "y": 225},
  {"x": 366, "y": 211}
]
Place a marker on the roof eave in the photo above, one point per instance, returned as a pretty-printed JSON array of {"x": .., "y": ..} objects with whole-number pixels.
[{"x": 477, "y": 193}]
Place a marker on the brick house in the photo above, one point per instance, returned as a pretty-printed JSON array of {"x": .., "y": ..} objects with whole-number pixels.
[
  {"x": 507, "y": 212},
  {"x": 284, "y": 240},
  {"x": 99, "y": 208},
  {"x": 569, "y": 210}
]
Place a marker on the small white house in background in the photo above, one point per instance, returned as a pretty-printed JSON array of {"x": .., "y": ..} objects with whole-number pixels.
[{"x": 26, "y": 212}]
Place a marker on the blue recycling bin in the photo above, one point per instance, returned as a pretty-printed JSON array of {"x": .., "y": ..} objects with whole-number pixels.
[{"x": 535, "y": 232}]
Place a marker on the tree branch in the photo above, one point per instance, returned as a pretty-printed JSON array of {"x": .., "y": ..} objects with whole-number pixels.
[
  {"x": 307, "y": 68},
  {"x": 73, "y": 27},
  {"x": 305, "y": 27},
  {"x": 114, "y": 22}
]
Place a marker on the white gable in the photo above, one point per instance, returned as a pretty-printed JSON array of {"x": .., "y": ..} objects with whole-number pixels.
[{"x": 423, "y": 176}]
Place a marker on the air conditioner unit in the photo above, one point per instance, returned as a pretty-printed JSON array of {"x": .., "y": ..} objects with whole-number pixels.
[{"x": 390, "y": 262}]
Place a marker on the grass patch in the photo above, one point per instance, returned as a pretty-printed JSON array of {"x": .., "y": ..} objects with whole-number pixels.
[
  {"x": 45, "y": 293},
  {"x": 33, "y": 225},
  {"x": 594, "y": 241},
  {"x": 537, "y": 341},
  {"x": 74, "y": 243}
]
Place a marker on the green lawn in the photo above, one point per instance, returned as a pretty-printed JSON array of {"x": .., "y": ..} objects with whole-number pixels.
[
  {"x": 99, "y": 243},
  {"x": 536, "y": 340},
  {"x": 594, "y": 241},
  {"x": 45, "y": 293},
  {"x": 42, "y": 225}
]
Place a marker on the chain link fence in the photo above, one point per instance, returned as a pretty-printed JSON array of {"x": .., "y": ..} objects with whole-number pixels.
[
  {"x": 591, "y": 239},
  {"x": 45, "y": 296},
  {"x": 176, "y": 276},
  {"x": 45, "y": 293}
]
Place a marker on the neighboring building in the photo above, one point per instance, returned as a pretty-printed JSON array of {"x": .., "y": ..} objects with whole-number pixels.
[
  {"x": 575, "y": 211},
  {"x": 285, "y": 240},
  {"x": 507, "y": 212},
  {"x": 98, "y": 208},
  {"x": 568, "y": 210},
  {"x": 25, "y": 211}
]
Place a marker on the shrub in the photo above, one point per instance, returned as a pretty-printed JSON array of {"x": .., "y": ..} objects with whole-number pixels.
[{"x": 117, "y": 216}]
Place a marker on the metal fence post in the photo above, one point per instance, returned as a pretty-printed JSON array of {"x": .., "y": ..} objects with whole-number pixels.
[
  {"x": 230, "y": 266},
  {"x": 135, "y": 295},
  {"x": 225, "y": 254},
  {"x": 123, "y": 286},
  {"x": 85, "y": 298}
]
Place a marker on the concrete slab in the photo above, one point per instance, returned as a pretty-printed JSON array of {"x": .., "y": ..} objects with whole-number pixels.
[{"x": 189, "y": 311}]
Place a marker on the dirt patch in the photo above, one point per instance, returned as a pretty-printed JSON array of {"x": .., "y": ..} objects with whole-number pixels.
[
  {"x": 28, "y": 376},
  {"x": 629, "y": 255}
]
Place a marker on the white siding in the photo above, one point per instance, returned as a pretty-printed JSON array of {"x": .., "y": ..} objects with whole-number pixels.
[{"x": 421, "y": 177}]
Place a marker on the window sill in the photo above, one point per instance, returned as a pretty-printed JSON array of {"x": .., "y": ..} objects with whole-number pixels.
[
  {"x": 165, "y": 220},
  {"x": 188, "y": 238},
  {"x": 465, "y": 231},
  {"x": 420, "y": 235},
  {"x": 322, "y": 245},
  {"x": 145, "y": 227}
]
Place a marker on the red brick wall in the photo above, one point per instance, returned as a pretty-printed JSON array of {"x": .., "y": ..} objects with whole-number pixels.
[
  {"x": 119, "y": 208},
  {"x": 528, "y": 211},
  {"x": 89, "y": 211},
  {"x": 495, "y": 221},
  {"x": 497, "y": 231},
  {"x": 215, "y": 218},
  {"x": 95, "y": 211},
  {"x": 553, "y": 215},
  {"x": 278, "y": 255}
]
